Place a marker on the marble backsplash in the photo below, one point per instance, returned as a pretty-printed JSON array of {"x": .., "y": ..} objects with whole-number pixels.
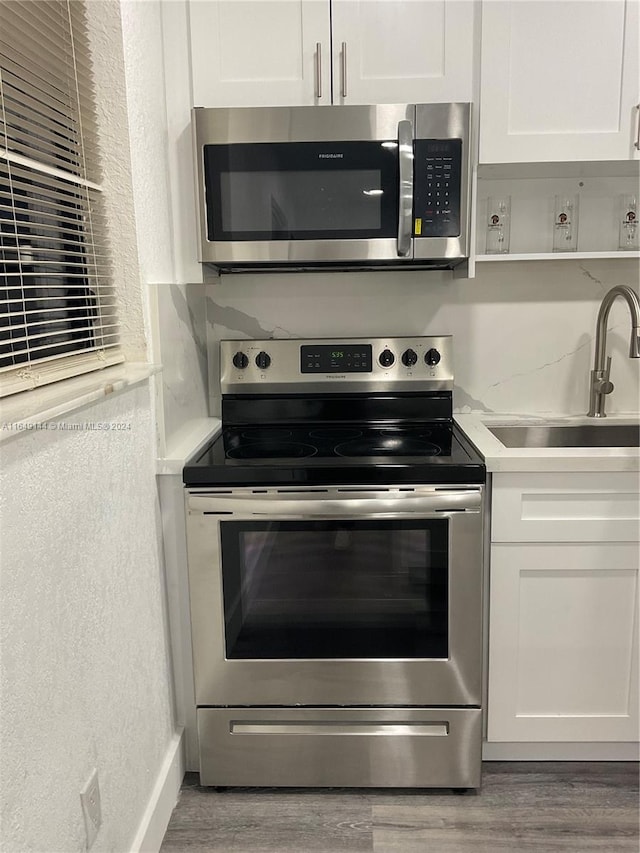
[
  {"x": 180, "y": 345},
  {"x": 523, "y": 331}
]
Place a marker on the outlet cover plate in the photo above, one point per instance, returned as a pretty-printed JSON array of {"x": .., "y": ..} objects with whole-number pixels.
[{"x": 91, "y": 808}]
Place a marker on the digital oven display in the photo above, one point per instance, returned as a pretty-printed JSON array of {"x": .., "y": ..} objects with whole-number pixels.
[{"x": 327, "y": 358}]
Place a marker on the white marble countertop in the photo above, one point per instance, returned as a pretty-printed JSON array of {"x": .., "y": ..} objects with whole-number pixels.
[
  {"x": 498, "y": 457},
  {"x": 185, "y": 443}
]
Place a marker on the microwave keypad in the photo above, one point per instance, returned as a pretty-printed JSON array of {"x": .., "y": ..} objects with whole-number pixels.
[{"x": 437, "y": 181}]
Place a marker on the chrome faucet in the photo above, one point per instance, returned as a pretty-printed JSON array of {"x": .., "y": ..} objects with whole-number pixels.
[{"x": 600, "y": 383}]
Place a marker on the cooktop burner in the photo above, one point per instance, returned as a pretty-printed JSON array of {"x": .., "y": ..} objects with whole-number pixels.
[
  {"x": 266, "y": 443},
  {"x": 266, "y": 434},
  {"x": 267, "y": 449},
  {"x": 387, "y": 444}
]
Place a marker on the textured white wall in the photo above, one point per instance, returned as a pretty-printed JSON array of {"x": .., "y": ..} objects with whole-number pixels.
[
  {"x": 181, "y": 311},
  {"x": 105, "y": 34},
  {"x": 84, "y": 671},
  {"x": 84, "y": 654}
]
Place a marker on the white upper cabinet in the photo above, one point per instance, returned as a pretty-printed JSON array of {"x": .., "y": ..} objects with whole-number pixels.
[
  {"x": 386, "y": 51},
  {"x": 305, "y": 52},
  {"x": 559, "y": 80},
  {"x": 260, "y": 52}
]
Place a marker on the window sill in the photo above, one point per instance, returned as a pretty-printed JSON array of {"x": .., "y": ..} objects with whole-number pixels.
[{"x": 27, "y": 411}]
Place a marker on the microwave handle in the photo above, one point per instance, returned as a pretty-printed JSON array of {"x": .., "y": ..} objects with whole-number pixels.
[{"x": 405, "y": 200}]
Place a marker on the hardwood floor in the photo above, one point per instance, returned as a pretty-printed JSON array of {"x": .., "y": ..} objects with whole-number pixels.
[{"x": 524, "y": 807}]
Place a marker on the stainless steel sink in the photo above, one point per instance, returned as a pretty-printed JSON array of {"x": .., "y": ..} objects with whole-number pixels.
[{"x": 573, "y": 435}]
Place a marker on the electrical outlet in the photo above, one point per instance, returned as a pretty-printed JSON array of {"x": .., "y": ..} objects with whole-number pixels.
[{"x": 90, "y": 799}]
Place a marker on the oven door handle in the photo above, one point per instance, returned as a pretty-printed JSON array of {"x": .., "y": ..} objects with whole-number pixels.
[{"x": 309, "y": 505}]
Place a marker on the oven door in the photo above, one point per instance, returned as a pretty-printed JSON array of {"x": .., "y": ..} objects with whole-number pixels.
[
  {"x": 340, "y": 596},
  {"x": 305, "y": 186}
]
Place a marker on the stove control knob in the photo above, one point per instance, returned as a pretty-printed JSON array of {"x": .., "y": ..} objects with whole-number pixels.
[
  {"x": 409, "y": 357},
  {"x": 263, "y": 360},
  {"x": 386, "y": 358},
  {"x": 240, "y": 360},
  {"x": 432, "y": 357}
]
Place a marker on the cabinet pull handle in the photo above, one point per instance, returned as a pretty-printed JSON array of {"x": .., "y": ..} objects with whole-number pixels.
[
  {"x": 318, "y": 70},
  {"x": 638, "y": 129},
  {"x": 343, "y": 56}
]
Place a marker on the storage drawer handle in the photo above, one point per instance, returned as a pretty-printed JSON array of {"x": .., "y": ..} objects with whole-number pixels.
[{"x": 238, "y": 727}]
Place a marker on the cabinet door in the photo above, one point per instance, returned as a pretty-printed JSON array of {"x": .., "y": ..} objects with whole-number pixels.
[
  {"x": 260, "y": 52},
  {"x": 560, "y": 81},
  {"x": 402, "y": 51},
  {"x": 563, "y": 643}
]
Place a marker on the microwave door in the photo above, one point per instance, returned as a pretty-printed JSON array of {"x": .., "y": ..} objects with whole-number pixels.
[
  {"x": 405, "y": 187},
  {"x": 306, "y": 202},
  {"x": 304, "y": 188}
]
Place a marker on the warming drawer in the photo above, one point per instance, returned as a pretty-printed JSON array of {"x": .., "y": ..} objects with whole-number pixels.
[{"x": 361, "y": 747}]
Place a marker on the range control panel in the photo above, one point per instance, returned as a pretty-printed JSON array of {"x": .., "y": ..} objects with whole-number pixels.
[{"x": 343, "y": 364}]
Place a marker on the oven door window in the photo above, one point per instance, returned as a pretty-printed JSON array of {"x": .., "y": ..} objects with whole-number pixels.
[
  {"x": 301, "y": 191},
  {"x": 335, "y": 589}
]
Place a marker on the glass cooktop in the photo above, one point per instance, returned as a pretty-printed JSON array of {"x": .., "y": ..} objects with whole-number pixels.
[
  {"x": 259, "y": 443},
  {"x": 329, "y": 453}
]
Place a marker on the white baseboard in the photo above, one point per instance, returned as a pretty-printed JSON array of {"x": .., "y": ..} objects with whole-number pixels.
[
  {"x": 560, "y": 751},
  {"x": 163, "y": 799}
]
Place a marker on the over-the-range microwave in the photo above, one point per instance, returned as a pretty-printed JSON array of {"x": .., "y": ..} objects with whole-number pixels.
[{"x": 337, "y": 187}]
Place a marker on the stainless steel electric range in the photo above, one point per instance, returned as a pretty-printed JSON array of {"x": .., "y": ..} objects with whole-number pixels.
[{"x": 334, "y": 534}]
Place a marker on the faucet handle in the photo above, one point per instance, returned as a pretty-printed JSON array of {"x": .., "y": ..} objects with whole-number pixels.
[
  {"x": 600, "y": 382},
  {"x": 605, "y": 385}
]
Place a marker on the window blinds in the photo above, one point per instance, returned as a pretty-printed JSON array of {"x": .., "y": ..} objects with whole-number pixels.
[{"x": 57, "y": 302}]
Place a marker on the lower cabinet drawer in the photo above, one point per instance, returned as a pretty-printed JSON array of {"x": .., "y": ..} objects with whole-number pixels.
[
  {"x": 565, "y": 507},
  {"x": 342, "y": 747}
]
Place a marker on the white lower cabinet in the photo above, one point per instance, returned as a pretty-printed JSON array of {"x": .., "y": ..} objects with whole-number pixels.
[{"x": 563, "y": 624}]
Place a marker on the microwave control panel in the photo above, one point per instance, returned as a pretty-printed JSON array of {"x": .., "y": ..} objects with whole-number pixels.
[{"x": 437, "y": 182}]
